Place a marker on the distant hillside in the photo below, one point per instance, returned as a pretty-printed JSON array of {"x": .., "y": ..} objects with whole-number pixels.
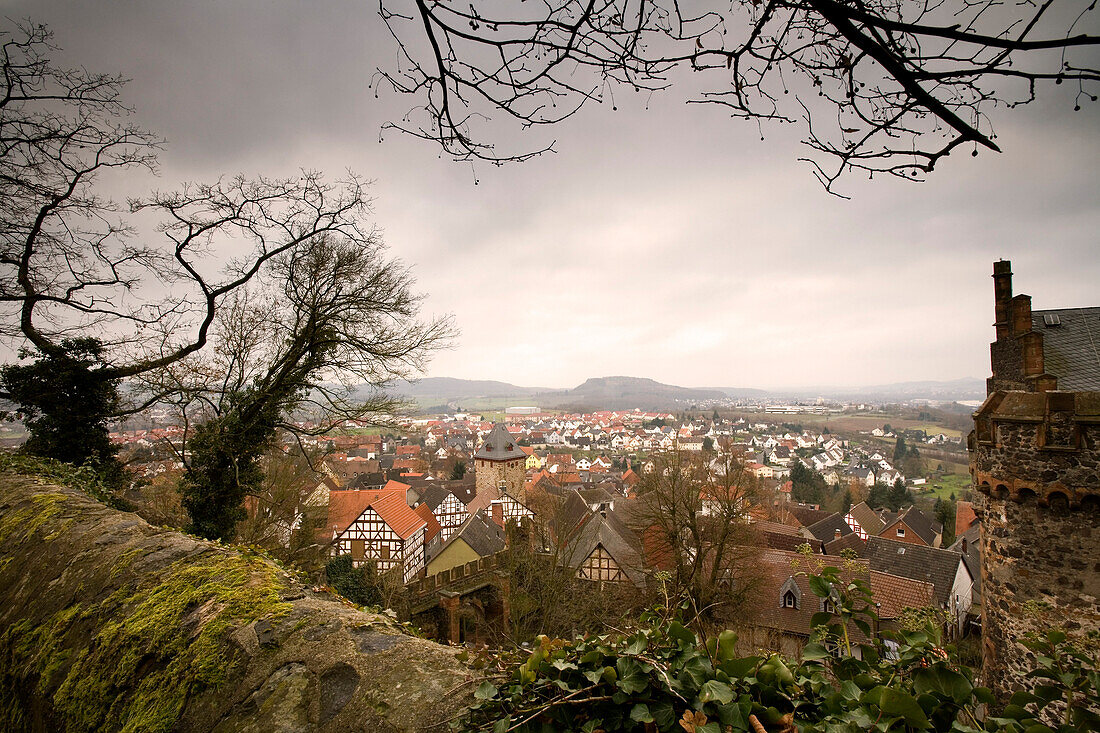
[
  {"x": 744, "y": 393},
  {"x": 461, "y": 389},
  {"x": 622, "y": 393},
  {"x": 966, "y": 388},
  {"x": 434, "y": 394}
]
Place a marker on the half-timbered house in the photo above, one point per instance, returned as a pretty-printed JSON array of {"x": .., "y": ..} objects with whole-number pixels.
[
  {"x": 449, "y": 510},
  {"x": 605, "y": 550},
  {"x": 378, "y": 527}
]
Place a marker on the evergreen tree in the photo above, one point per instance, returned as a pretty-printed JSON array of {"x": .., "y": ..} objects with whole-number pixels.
[
  {"x": 65, "y": 399},
  {"x": 900, "y": 451}
]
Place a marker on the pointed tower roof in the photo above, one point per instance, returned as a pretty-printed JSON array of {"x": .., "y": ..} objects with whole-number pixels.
[{"x": 499, "y": 445}]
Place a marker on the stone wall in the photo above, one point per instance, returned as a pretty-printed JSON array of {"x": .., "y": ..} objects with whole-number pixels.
[
  {"x": 489, "y": 474},
  {"x": 1040, "y": 570},
  {"x": 1035, "y": 458},
  {"x": 107, "y": 623},
  {"x": 1038, "y": 444}
]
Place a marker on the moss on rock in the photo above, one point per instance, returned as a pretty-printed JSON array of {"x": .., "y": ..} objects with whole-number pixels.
[{"x": 108, "y": 624}]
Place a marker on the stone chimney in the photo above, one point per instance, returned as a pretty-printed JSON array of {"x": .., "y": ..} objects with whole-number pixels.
[
  {"x": 1002, "y": 295},
  {"x": 1016, "y": 358}
]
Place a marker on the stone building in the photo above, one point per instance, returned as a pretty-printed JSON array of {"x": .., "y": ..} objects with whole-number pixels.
[
  {"x": 499, "y": 465},
  {"x": 1035, "y": 461}
]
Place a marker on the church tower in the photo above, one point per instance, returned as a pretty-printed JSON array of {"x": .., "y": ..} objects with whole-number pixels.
[{"x": 499, "y": 465}]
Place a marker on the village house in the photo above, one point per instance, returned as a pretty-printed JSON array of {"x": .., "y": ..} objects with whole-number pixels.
[{"x": 378, "y": 527}]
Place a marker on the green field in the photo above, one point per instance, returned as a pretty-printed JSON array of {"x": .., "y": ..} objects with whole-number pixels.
[
  {"x": 953, "y": 483},
  {"x": 859, "y": 423}
]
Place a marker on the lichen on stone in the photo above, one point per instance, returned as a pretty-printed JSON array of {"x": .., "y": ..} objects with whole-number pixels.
[{"x": 155, "y": 646}]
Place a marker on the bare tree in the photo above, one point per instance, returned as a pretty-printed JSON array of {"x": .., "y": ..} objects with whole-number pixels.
[
  {"x": 692, "y": 513},
  {"x": 886, "y": 86},
  {"x": 113, "y": 292},
  {"x": 74, "y": 263},
  {"x": 293, "y": 352}
]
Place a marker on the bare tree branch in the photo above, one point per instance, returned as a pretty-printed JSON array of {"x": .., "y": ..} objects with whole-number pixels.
[{"x": 907, "y": 81}]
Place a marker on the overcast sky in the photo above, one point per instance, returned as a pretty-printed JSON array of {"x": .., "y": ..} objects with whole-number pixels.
[{"x": 667, "y": 242}]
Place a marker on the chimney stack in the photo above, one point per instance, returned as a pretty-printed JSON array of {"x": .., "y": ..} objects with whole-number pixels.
[{"x": 1002, "y": 296}]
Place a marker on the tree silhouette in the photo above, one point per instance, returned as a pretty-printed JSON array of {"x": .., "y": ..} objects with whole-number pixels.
[{"x": 887, "y": 86}]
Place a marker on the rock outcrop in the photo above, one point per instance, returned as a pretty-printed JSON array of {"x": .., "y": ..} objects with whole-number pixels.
[{"x": 107, "y": 623}]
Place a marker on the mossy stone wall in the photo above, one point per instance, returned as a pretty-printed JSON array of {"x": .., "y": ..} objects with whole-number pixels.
[{"x": 109, "y": 624}]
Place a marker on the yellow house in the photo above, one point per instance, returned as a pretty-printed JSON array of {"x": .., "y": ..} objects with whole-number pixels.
[
  {"x": 533, "y": 463},
  {"x": 479, "y": 536}
]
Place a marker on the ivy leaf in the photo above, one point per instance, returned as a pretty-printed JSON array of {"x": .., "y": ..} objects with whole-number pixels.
[
  {"x": 695, "y": 672},
  {"x": 640, "y": 713},
  {"x": 814, "y": 651},
  {"x": 727, "y": 645},
  {"x": 896, "y": 702},
  {"x": 631, "y": 678},
  {"x": 822, "y": 618},
  {"x": 741, "y": 668},
  {"x": 715, "y": 691},
  {"x": 502, "y": 725},
  {"x": 485, "y": 691},
  {"x": 681, "y": 634},
  {"x": 664, "y": 715}
]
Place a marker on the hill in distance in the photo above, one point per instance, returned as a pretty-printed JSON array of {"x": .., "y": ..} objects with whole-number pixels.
[
  {"x": 607, "y": 393},
  {"x": 623, "y": 393},
  {"x": 626, "y": 393}
]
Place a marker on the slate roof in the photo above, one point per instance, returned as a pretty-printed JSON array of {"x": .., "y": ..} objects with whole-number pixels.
[
  {"x": 849, "y": 541},
  {"x": 617, "y": 539},
  {"x": 482, "y": 534},
  {"x": 930, "y": 564},
  {"x": 921, "y": 523},
  {"x": 826, "y": 529},
  {"x": 1071, "y": 349},
  {"x": 500, "y": 445},
  {"x": 971, "y": 538}
]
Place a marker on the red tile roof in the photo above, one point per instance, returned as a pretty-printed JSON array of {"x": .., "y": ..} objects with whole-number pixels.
[
  {"x": 964, "y": 517},
  {"x": 389, "y": 502},
  {"x": 425, "y": 512}
]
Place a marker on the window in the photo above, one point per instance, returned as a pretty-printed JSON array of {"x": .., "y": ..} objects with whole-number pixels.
[
  {"x": 827, "y": 606},
  {"x": 901, "y": 531},
  {"x": 357, "y": 549},
  {"x": 789, "y": 600},
  {"x": 384, "y": 552}
]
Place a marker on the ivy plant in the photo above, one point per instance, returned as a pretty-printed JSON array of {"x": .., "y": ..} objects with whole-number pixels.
[{"x": 662, "y": 676}]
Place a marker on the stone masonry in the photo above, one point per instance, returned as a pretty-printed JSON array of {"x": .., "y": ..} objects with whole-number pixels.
[{"x": 1035, "y": 461}]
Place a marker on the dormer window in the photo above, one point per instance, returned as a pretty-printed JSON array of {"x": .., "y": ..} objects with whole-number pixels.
[{"x": 790, "y": 595}]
